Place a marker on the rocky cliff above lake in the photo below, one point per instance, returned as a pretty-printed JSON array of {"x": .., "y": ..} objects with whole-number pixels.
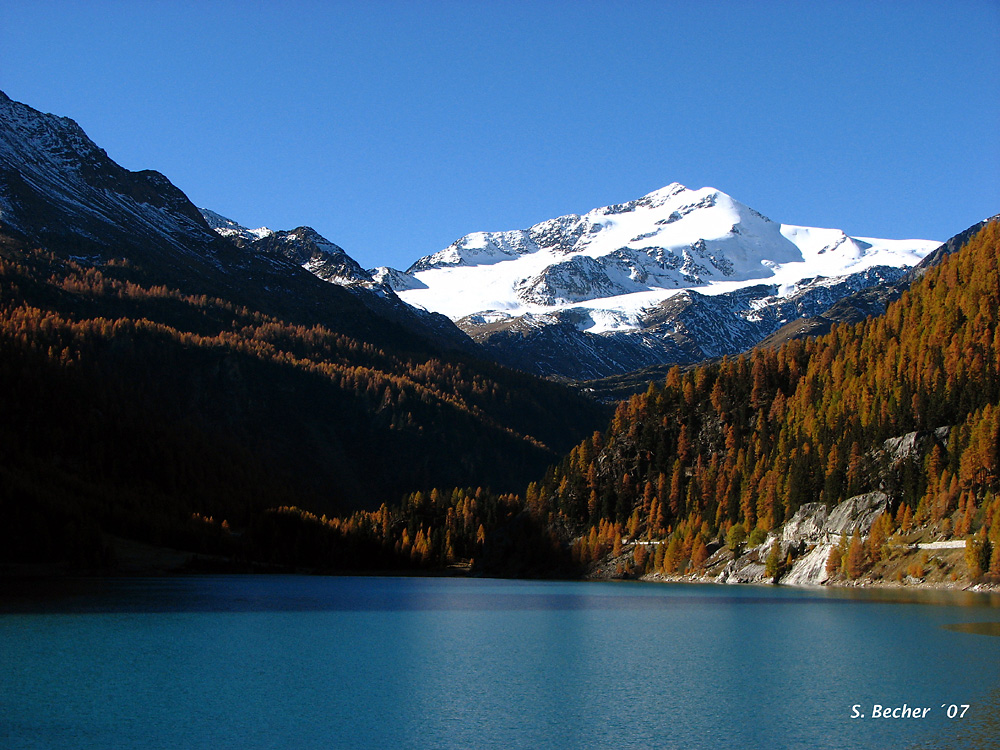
[
  {"x": 809, "y": 536},
  {"x": 798, "y": 552}
]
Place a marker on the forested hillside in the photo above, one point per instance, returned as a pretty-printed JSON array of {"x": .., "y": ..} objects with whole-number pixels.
[
  {"x": 732, "y": 449},
  {"x": 141, "y": 411},
  {"x": 748, "y": 441},
  {"x": 172, "y": 425}
]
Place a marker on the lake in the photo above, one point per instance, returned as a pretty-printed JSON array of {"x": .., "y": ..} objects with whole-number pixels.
[{"x": 355, "y": 662}]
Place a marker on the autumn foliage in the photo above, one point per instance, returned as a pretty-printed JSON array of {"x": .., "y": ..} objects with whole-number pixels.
[
  {"x": 125, "y": 408},
  {"x": 750, "y": 439},
  {"x": 719, "y": 454}
]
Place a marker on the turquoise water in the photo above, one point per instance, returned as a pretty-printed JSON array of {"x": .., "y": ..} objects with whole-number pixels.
[{"x": 312, "y": 662}]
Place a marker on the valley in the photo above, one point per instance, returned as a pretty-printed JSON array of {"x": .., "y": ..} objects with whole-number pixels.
[{"x": 667, "y": 387}]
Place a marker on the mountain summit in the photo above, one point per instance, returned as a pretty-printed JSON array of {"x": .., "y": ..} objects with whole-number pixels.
[
  {"x": 620, "y": 270},
  {"x": 673, "y": 238}
]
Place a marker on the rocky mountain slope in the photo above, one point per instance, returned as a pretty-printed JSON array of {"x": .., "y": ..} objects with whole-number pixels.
[
  {"x": 854, "y": 307},
  {"x": 58, "y": 187},
  {"x": 303, "y": 246},
  {"x": 678, "y": 275},
  {"x": 870, "y": 301}
]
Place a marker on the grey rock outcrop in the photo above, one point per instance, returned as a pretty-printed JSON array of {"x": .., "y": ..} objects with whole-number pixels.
[
  {"x": 914, "y": 444},
  {"x": 855, "y": 514},
  {"x": 815, "y": 528}
]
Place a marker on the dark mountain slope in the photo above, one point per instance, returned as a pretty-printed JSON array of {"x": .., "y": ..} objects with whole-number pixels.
[
  {"x": 131, "y": 408},
  {"x": 60, "y": 191},
  {"x": 152, "y": 372}
]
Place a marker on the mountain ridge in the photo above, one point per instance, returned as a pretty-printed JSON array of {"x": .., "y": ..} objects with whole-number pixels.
[
  {"x": 303, "y": 246},
  {"x": 665, "y": 278},
  {"x": 60, "y": 190}
]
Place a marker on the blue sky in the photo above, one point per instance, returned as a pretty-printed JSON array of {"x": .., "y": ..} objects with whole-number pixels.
[{"x": 395, "y": 128}]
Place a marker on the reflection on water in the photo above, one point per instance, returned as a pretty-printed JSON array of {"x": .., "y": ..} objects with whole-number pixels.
[
  {"x": 979, "y": 628},
  {"x": 980, "y": 729},
  {"x": 290, "y": 593}
]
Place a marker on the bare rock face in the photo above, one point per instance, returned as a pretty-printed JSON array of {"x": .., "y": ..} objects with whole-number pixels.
[
  {"x": 914, "y": 444},
  {"x": 817, "y": 529},
  {"x": 814, "y": 522},
  {"x": 750, "y": 571},
  {"x": 856, "y": 514},
  {"x": 806, "y": 524},
  {"x": 810, "y": 569}
]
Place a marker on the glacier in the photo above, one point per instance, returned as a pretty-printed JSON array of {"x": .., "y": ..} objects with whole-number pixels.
[{"x": 617, "y": 261}]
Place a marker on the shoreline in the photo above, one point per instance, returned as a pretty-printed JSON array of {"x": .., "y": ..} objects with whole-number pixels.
[
  {"x": 140, "y": 560},
  {"x": 984, "y": 587},
  {"x": 195, "y": 567}
]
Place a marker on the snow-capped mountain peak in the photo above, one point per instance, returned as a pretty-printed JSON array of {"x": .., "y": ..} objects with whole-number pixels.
[
  {"x": 644, "y": 250},
  {"x": 676, "y": 275},
  {"x": 393, "y": 279}
]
